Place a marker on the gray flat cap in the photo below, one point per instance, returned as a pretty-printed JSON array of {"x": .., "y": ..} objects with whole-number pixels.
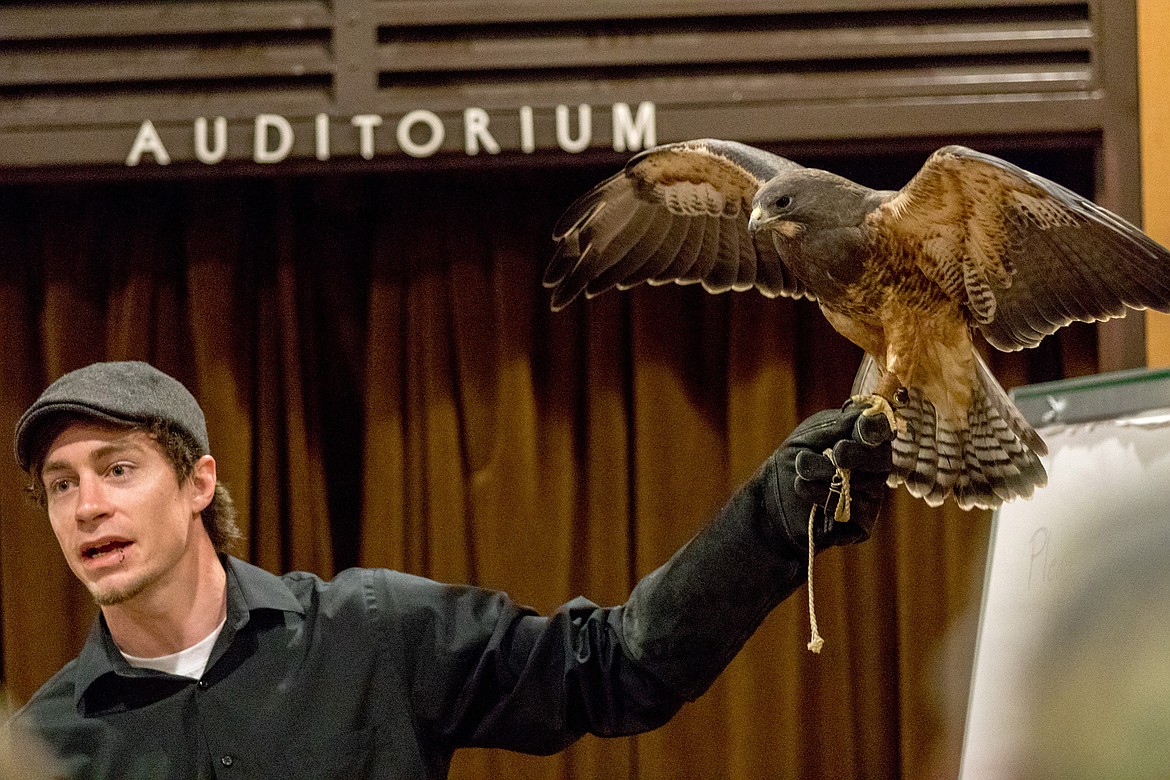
[{"x": 122, "y": 392}]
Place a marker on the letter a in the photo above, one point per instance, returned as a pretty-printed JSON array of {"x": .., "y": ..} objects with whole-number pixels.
[{"x": 147, "y": 140}]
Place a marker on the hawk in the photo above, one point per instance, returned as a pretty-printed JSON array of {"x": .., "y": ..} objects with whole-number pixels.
[{"x": 972, "y": 242}]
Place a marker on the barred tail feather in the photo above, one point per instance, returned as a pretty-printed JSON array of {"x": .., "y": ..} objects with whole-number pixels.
[
  {"x": 994, "y": 457},
  {"x": 916, "y": 457}
]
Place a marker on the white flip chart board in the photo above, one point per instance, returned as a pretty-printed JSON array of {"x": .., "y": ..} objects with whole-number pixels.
[{"x": 1109, "y": 444}]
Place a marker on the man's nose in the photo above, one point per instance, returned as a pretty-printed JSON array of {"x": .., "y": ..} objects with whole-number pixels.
[{"x": 92, "y": 501}]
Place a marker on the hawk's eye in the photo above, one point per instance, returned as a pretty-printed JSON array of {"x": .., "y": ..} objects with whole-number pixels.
[{"x": 783, "y": 202}]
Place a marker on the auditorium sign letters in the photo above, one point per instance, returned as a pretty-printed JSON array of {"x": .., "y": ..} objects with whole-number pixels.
[{"x": 272, "y": 138}]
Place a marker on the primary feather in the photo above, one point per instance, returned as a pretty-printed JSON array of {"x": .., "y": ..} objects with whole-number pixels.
[{"x": 971, "y": 242}]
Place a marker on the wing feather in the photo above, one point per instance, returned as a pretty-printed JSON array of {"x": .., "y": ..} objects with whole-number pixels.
[
  {"x": 1023, "y": 254},
  {"x": 670, "y": 253},
  {"x": 773, "y": 277},
  {"x": 747, "y": 261},
  {"x": 643, "y": 246},
  {"x": 675, "y": 213},
  {"x": 722, "y": 269},
  {"x": 707, "y": 249},
  {"x": 682, "y": 265}
]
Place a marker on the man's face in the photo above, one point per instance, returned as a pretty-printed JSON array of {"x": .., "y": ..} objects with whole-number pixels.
[{"x": 124, "y": 522}]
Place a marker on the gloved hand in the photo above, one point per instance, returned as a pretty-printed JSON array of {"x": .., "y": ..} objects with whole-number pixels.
[{"x": 803, "y": 475}]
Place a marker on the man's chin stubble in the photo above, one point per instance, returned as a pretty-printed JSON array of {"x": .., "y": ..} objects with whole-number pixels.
[{"x": 118, "y": 595}]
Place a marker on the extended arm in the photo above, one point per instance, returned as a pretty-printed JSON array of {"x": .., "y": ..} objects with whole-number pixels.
[{"x": 540, "y": 682}]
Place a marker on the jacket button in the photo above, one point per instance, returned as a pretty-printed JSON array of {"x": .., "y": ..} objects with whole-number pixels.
[
  {"x": 202, "y": 685},
  {"x": 227, "y": 760}
]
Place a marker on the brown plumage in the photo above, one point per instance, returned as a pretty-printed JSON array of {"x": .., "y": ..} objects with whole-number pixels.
[{"x": 971, "y": 242}]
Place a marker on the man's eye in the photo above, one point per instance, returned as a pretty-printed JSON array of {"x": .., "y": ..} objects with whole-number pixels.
[
  {"x": 59, "y": 485},
  {"x": 119, "y": 470}
]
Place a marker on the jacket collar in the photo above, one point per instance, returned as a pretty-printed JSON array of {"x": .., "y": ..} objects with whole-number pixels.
[{"x": 249, "y": 588}]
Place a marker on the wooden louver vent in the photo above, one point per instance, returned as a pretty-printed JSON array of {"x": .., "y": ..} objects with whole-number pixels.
[{"x": 77, "y": 80}]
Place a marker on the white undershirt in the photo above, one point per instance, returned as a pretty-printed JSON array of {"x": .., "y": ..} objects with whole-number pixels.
[{"x": 186, "y": 663}]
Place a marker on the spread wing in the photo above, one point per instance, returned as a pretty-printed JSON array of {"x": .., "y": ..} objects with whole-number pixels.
[
  {"x": 675, "y": 213},
  {"x": 1024, "y": 255}
]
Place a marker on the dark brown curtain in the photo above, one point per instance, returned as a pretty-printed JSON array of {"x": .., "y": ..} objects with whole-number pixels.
[{"x": 385, "y": 386}]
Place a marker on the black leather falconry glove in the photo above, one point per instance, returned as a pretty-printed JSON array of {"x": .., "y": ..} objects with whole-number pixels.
[
  {"x": 688, "y": 618},
  {"x": 804, "y": 475}
]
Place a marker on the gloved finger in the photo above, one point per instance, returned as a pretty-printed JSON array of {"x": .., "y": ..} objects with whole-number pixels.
[
  {"x": 866, "y": 498},
  {"x": 862, "y": 457},
  {"x": 825, "y": 428},
  {"x": 835, "y": 533},
  {"x": 873, "y": 429},
  {"x": 814, "y": 467},
  {"x": 869, "y": 482},
  {"x": 862, "y": 513},
  {"x": 867, "y": 505},
  {"x": 815, "y": 492},
  {"x": 815, "y": 473}
]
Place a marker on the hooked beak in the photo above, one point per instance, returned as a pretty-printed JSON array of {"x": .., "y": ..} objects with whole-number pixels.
[{"x": 757, "y": 219}]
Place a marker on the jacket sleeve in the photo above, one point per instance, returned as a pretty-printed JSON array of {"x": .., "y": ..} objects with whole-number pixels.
[{"x": 482, "y": 671}]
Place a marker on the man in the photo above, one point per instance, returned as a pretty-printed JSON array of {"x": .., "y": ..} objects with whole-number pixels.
[{"x": 202, "y": 665}]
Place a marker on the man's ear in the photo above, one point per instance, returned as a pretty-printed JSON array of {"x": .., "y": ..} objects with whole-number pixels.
[{"x": 203, "y": 478}]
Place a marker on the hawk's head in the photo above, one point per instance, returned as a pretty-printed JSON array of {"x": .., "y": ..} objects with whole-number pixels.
[{"x": 807, "y": 199}]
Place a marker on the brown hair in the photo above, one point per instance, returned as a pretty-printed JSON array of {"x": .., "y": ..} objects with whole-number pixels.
[{"x": 219, "y": 517}]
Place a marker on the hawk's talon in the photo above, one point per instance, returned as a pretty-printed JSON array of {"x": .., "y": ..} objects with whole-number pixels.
[{"x": 876, "y": 404}]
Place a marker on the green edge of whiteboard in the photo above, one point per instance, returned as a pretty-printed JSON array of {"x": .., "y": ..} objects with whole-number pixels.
[{"x": 1097, "y": 397}]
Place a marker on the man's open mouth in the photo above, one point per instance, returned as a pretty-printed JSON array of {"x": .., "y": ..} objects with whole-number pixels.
[{"x": 107, "y": 548}]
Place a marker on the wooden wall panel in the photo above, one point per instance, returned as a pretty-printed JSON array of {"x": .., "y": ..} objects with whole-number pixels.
[{"x": 1154, "y": 26}]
